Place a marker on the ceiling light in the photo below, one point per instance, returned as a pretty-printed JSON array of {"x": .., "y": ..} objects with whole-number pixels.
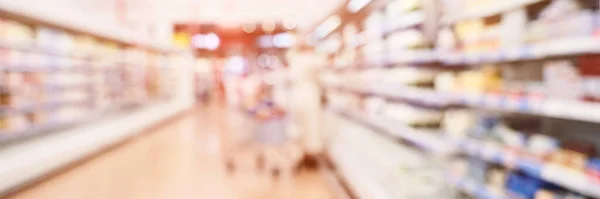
[
  {"x": 356, "y": 5},
  {"x": 268, "y": 26},
  {"x": 289, "y": 24},
  {"x": 212, "y": 41},
  {"x": 249, "y": 28}
]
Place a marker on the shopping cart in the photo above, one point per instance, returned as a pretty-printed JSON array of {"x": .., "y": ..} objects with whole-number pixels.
[{"x": 268, "y": 149}]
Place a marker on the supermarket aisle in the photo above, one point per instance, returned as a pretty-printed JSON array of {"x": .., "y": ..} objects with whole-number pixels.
[{"x": 181, "y": 159}]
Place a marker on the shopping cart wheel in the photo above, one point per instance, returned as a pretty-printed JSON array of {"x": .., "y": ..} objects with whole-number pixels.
[
  {"x": 260, "y": 162},
  {"x": 230, "y": 166},
  {"x": 275, "y": 172}
]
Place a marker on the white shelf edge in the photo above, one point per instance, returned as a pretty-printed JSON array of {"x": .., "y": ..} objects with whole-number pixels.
[
  {"x": 421, "y": 138},
  {"x": 490, "y": 11},
  {"x": 549, "y": 107},
  {"x": 358, "y": 179},
  {"x": 32, "y": 159}
]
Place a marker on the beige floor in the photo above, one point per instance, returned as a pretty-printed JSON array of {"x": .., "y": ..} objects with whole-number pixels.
[{"x": 181, "y": 159}]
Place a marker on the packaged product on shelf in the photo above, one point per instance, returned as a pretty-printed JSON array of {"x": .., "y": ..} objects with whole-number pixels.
[
  {"x": 65, "y": 44},
  {"x": 480, "y": 81},
  {"x": 413, "y": 116},
  {"x": 446, "y": 40},
  {"x": 445, "y": 81},
  {"x": 16, "y": 33},
  {"x": 513, "y": 27},
  {"x": 574, "y": 154},
  {"x": 563, "y": 80},
  {"x": 409, "y": 76},
  {"x": 456, "y": 123},
  {"x": 37, "y": 117},
  {"x": 458, "y": 168},
  {"x": 48, "y": 39},
  {"x": 496, "y": 180},
  {"x": 396, "y": 7},
  {"x": 573, "y": 18},
  {"x": 484, "y": 127},
  {"x": 477, "y": 170},
  {"x": 542, "y": 146},
  {"x": 12, "y": 123},
  {"x": 523, "y": 79},
  {"x": 405, "y": 39}
]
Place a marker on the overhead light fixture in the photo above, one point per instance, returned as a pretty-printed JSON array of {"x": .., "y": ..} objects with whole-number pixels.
[
  {"x": 249, "y": 28},
  {"x": 268, "y": 26},
  {"x": 329, "y": 25},
  {"x": 212, "y": 41},
  {"x": 289, "y": 24},
  {"x": 284, "y": 40},
  {"x": 356, "y": 5},
  {"x": 206, "y": 41}
]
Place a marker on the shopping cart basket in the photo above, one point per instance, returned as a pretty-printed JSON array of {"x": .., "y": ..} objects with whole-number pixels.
[{"x": 269, "y": 149}]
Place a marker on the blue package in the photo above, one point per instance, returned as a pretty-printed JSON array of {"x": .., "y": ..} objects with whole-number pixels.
[{"x": 526, "y": 187}]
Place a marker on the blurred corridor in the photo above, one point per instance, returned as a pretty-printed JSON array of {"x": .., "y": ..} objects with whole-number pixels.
[{"x": 181, "y": 158}]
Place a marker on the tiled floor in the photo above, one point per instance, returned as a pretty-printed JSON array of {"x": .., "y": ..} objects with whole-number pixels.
[{"x": 182, "y": 159}]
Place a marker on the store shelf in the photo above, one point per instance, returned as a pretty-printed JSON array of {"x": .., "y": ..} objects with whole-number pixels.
[
  {"x": 404, "y": 57},
  {"x": 555, "y": 108},
  {"x": 553, "y": 48},
  {"x": 498, "y": 8},
  {"x": 427, "y": 140},
  {"x": 571, "y": 179},
  {"x": 359, "y": 181},
  {"x": 474, "y": 189},
  {"x": 434, "y": 142},
  {"x": 408, "y": 20},
  {"x": 31, "y": 159},
  {"x": 419, "y": 95}
]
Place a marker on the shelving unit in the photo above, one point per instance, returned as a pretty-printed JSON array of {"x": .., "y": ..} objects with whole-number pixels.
[
  {"x": 69, "y": 90},
  {"x": 504, "y": 88}
]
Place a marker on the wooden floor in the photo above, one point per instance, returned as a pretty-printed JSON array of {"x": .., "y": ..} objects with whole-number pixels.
[{"x": 179, "y": 160}]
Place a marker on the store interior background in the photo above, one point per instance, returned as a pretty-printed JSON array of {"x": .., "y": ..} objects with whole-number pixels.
[{"x": 389, "y": 99}]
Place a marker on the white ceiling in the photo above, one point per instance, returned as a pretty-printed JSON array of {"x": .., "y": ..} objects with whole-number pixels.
[
  {"x": 304, "y": 12},
  {"x": 153, "y": 20}
]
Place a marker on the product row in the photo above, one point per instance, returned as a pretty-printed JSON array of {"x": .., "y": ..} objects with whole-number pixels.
[
  {"x": 50, "y": 77},
  {"x": 565, "y": 79},
  {"x": 516, "y": 30},
  {"x": 533, "y": 146}
]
